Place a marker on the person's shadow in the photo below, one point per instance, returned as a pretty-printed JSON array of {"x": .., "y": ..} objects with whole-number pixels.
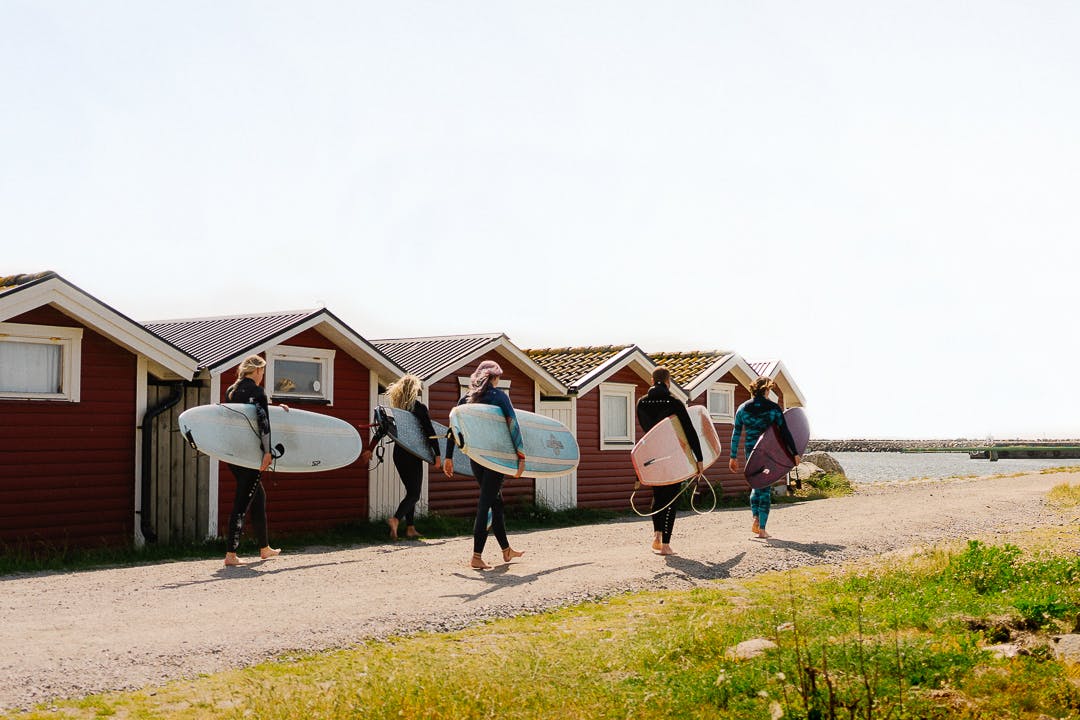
[
  {"x": 499, "y": 578},
  {"x": 815, "y": 549},
  {"x": 686, "y": 567},
  {"x": 250, "y": 569}
]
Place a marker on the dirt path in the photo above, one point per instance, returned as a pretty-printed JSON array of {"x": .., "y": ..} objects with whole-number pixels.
[{"x": 71, "y": 634}]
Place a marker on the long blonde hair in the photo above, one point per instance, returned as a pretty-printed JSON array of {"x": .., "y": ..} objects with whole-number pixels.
[
  {"x": 404, "y": 392},
  {"x": 247, "y": 368}
]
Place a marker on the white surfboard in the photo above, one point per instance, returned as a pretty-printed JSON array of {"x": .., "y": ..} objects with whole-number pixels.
[
  {"x": 663, "y": 456},
  {"x": 306, "y": 441}
]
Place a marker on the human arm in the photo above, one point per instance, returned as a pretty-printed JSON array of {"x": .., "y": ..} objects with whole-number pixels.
[
  {"x": 736, "y": 435},
  {"x": 420, "y": 410}
]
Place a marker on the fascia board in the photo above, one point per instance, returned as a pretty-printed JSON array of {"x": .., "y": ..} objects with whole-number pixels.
[
  {"x": 632, "y": 355},
  {"x": 121, "y": 329},
  {"x": 733, "y": 363}
]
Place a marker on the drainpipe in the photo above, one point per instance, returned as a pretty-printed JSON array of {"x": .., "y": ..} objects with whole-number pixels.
[{"x": 148, "y": 422}]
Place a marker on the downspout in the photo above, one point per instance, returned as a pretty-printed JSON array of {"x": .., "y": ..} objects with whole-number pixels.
[{"x": 148, "y": 421}]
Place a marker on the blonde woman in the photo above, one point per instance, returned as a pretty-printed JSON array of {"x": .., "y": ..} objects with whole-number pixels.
[
  {"x": 405, "y": 395},
  {"x": 250, "y": 494}
]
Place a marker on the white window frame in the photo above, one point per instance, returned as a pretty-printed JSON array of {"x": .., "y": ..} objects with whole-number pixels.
[
  {"x": 464, "y": 382},
  {"x": 722, "y": 389},
  {"x": 628, "y": 392},
  {"x": 322, "y": 356},
  {"x": 70, "y": 341}
]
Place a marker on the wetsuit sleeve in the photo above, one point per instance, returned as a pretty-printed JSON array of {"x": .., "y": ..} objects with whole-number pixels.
[
  {"x": 688, "y": 428},
  {"x": 450, "y": 444},
  {"x": 503, "y": 402},
  {"x": 736, "y": 434},
  {"x": 422, "y": 414}
]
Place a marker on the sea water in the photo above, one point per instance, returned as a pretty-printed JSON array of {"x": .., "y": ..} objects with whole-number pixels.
[{"x": 870, "y": 467}]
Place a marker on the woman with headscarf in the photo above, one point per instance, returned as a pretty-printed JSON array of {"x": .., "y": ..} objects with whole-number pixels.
[{"x": 483, "y": 388}]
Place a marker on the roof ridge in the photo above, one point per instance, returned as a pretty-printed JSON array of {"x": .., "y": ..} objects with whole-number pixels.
[{"x": 244, "y": 316}]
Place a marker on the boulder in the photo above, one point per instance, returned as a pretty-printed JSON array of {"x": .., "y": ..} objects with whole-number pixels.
[
  {"x": 825, "y": 461},
  {"x": 1067, "y": 647}
]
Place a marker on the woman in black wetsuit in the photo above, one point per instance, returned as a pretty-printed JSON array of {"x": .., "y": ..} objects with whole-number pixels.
[
  {"x": 405, "y": 395},
  {"x": 249, "y": 489},
  {"x": 483, "y": 389},
  {"x": 658, "y": 404}
]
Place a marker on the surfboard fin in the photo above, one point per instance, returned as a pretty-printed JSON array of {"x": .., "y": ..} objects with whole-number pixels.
[{"x": 191, "y": 440}]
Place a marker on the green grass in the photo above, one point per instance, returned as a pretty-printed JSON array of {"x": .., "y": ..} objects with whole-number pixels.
[{"x": 901, "y": 637}]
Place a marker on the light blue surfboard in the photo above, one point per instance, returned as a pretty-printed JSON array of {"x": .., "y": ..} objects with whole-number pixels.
[
  {"x": 460, "y": 468},
  {"x": 482, "y": 434},
  {"x": 306, "y": 441},
  {"x": 407, "y": 432}
]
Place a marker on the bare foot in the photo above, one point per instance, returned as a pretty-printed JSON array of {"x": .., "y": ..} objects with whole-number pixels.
[
  {"x": 269, "y": 552},
  {"x": 764, "y": 535},
  {"x": 657, "y": 545},
  {"x": 755, "y": 528},
  {"x": 510, "y": 553},
  {"x": 410, "y": 532},
  {"x": 393, "y": 523},
  {"x": 665, "y": 549},
  {"x": 232, "y": 561},
  {"x": 477, "y": 563}
]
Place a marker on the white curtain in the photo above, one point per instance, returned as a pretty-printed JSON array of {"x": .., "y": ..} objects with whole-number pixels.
[{"x": 30, "y": 367}]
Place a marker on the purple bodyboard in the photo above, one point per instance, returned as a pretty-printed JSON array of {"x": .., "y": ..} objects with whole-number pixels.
[{"x": 769, "y": 461}]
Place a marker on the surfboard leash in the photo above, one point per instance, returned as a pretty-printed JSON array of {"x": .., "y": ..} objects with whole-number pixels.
[
  {"x": 637, "y": 486},
  {"x": 693, "y": 507}
]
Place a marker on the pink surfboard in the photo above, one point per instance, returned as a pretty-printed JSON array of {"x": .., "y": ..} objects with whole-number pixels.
[
  {"x": 663, "y": 456},
  {"x": 769, "y": 461}
]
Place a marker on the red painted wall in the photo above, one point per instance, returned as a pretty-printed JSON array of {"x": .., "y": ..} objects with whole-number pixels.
[
  {"x": 458, "y": 496},
  {"x": 606, "y": 477},
  {"x": 312, "y": 501},
  {"x": 68, "y": 476}
]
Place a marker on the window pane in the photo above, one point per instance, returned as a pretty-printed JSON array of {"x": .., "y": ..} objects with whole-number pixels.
[
  {"x": 297, "y": 377},
  {"x": 615, "y": 417},
  {"x": 719, "y": 402},
  {"x": 30, "y": 367}
]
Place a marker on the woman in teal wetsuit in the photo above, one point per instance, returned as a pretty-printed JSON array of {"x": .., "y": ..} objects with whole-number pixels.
[{"x": 755, "y": 416}]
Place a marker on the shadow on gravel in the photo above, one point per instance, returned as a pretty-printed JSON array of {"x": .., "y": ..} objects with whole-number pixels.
[
  {"x": 815, "y": 549},
  {"x": 499, "y": 578},
  {"x": 253, "y": 569},
  {"x": 700, "y": 570}
]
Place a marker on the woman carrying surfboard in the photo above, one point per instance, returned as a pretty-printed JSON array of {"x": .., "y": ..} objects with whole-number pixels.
[
  {"x": 756, "y": 415},
  {"x": 405, "y": 395},
  {"x": 250, "y": 494},
  {"x": 483, "y": 389},
  {"x": 658, "y": 404}
]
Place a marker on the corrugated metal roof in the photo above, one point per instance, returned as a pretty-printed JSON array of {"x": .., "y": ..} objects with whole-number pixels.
[
  {"x": 685, "y": 367},
  {"x": 763, "y": 367},
  {"x": 571, "y": 364},
  {"x": 215, "y": 340},
  {"x": 426, "y": 356}
]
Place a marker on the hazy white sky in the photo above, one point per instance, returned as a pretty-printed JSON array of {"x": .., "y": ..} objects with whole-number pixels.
[{"x": 882, "y": 194}]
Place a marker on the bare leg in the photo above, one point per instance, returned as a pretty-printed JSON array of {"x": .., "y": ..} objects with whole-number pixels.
[
  {"x": 657, "y": 543},
  {"x": 393, "y": 523}
]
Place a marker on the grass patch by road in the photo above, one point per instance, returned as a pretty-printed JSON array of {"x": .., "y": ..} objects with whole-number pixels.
[{"x": 905, "y": 636}]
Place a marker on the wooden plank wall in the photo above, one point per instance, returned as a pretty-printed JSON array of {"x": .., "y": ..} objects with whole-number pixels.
[{"x": 179, "y": 475}]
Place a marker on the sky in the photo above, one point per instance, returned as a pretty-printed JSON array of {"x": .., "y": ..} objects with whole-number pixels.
[{"x": 883, "y": 195}]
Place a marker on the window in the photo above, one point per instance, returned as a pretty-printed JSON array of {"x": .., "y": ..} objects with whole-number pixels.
[
  {"x": 722, "y": 402},
  {"x": 38, "y": 362},
  {"x": 296, "y": 373},
  {"x": 463, "y": 385},
  {"x": 616, "y": 416}
]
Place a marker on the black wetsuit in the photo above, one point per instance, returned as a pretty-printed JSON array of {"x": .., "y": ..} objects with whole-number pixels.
[
  {"x": 411, "y": 468},
  {"x": 651, "y": 409},
  {"x": 249, "y": 491}
]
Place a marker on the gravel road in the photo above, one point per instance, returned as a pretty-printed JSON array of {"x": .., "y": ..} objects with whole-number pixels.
[{"x": 72, "y": 634}]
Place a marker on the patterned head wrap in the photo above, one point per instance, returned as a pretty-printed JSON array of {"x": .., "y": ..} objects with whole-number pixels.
[{"x": 482, "y": 378}]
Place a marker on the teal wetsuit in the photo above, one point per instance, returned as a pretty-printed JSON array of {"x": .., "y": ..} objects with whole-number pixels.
[{"x": 755, "y": 416}]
